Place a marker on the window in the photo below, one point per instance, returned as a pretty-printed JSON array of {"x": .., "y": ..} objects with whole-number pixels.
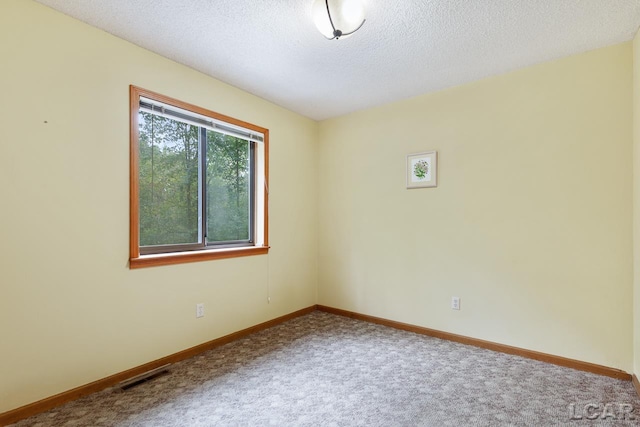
[{"x": 198, "y": 183}]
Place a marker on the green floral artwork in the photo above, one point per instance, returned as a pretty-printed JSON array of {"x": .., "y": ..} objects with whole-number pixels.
[{"x": 421, "y": 169}]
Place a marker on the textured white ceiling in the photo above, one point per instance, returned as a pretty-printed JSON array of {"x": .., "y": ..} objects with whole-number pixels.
[{"x": 272, "y": 49}]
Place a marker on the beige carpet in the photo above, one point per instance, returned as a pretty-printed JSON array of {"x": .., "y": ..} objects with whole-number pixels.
[{"x": 327, "y": 370}]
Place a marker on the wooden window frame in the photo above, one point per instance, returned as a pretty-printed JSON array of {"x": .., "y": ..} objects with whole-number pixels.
[{"x": 136, "y": 260}]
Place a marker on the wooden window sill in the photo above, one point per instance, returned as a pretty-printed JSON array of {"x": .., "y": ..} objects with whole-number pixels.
[{"x": 194, "y": 256}]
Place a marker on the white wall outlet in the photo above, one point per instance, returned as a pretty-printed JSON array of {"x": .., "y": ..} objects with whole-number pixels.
[
  {"x": 199, "y": 310},
  {"x": 455, "y": 303}
]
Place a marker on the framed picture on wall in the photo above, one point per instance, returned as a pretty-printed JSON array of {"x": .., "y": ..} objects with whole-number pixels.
[{"x": 422, "y": 169}]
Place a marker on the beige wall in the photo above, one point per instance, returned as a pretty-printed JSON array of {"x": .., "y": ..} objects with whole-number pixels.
[
  {"x": 70, "y": 309},
  {"x": 636, "y": 204},
  {"x": 531, "y": 222}
]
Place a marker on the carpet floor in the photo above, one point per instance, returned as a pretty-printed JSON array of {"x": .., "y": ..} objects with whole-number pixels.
[{"x": 327, "y": 370}]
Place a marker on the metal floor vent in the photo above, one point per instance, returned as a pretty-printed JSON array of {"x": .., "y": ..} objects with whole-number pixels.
[{"x": 147, "y": 376}]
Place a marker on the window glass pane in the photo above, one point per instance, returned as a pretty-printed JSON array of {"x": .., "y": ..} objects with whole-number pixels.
[
  {"x": 228, "y": 188},
  {"x": 168, "y": 181}
]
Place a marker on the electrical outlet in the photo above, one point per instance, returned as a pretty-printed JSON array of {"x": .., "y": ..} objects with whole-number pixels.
[
  {"x": 199, "y": 310},
  {"x": 455, "y": 303}
]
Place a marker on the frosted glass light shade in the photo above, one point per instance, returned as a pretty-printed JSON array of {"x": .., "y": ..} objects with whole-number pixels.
[{"x": 347, "y": 17}]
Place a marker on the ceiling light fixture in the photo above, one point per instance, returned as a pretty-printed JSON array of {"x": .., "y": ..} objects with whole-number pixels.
[{"x": 338, "y": 18}]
